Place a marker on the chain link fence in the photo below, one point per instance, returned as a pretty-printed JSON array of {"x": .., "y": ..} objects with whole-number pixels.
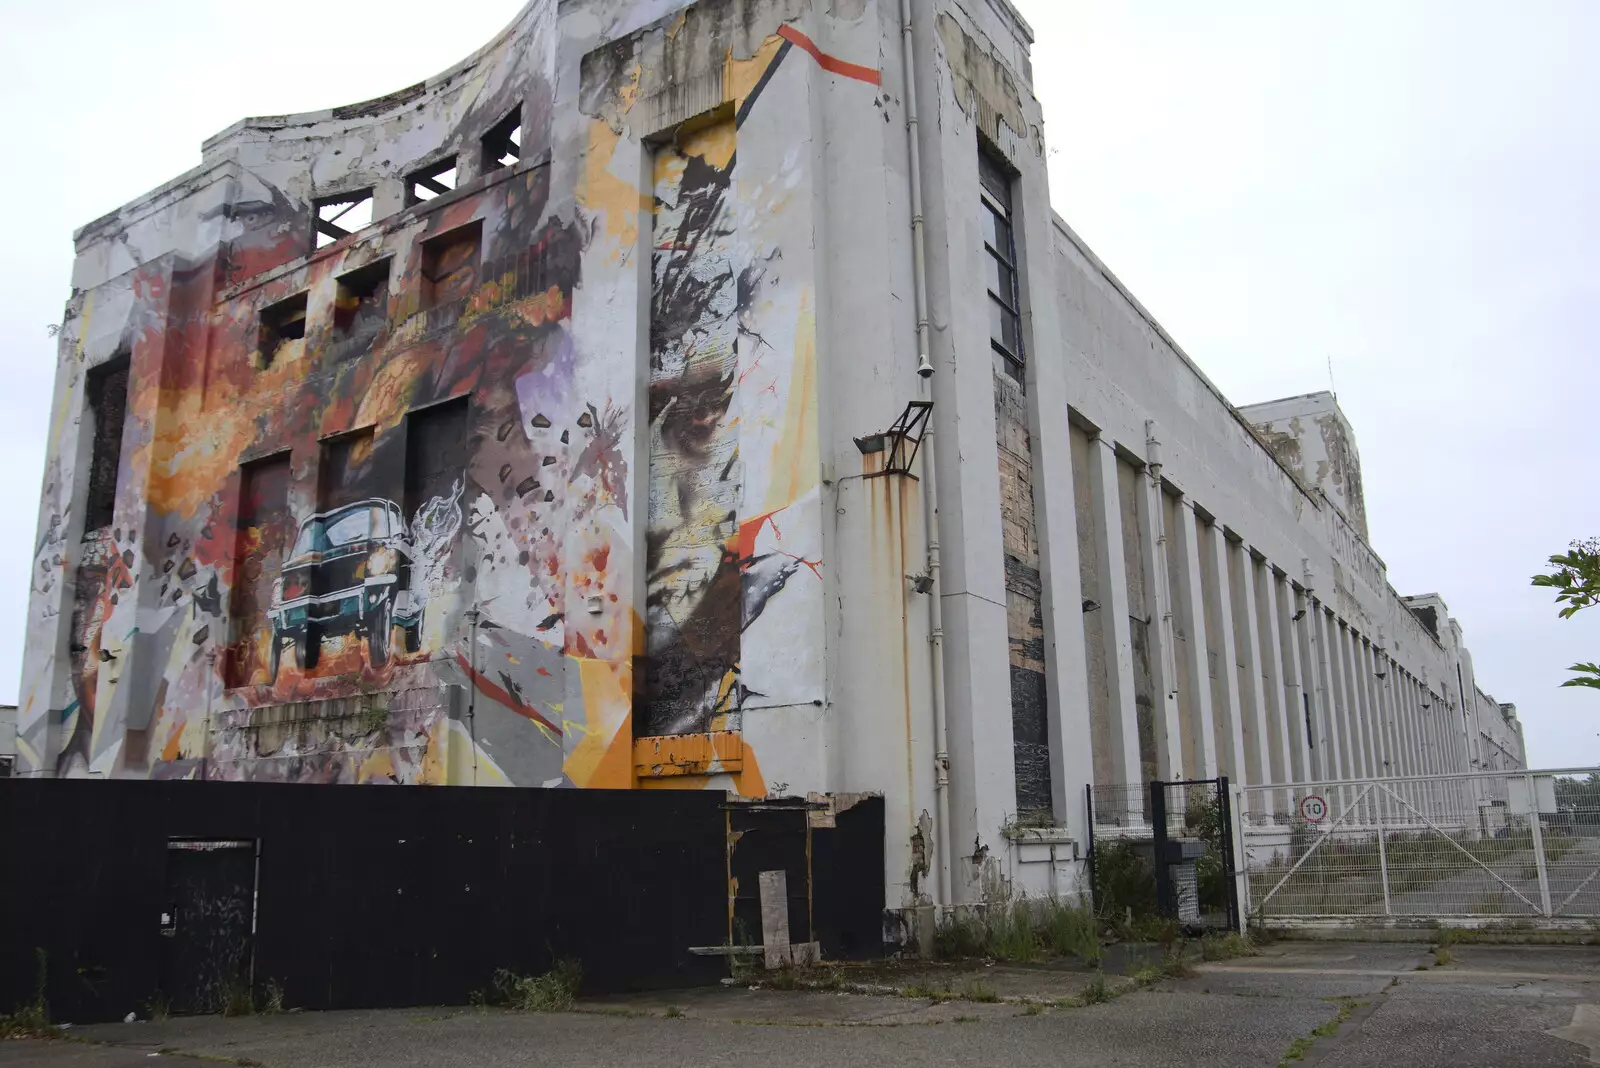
[{"x": 1481, "y": 849}]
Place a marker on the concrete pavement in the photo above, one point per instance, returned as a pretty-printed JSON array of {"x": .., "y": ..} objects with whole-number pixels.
[{"x": 1494, "y": 1005}]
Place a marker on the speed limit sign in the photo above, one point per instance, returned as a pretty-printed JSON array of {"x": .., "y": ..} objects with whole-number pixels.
[{"x": 1313, "y": 809}]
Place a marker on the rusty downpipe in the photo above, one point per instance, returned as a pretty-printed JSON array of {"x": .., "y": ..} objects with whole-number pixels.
[{"x": 930, "y": 484}]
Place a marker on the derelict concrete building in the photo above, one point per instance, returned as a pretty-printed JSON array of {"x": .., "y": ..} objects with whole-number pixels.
[{"x": 562, "y": 421}]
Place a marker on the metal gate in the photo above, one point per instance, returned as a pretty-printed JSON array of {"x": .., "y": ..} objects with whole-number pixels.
[
  {"x": 1483, "y": 849},
  {"x": 1165, "y": 849}
]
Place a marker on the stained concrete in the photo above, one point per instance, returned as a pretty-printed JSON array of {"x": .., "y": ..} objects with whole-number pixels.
[{"x": 1491, "y": 1006}]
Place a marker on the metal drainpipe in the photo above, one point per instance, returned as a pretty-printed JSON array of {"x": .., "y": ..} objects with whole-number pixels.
[
  {"x": 1158, "y": 523},
  {"x": 930, "y": 483}
]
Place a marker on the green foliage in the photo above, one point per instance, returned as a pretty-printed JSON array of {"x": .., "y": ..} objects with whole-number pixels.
[
  {"x": 1226, "y": 946},
  {"x": 271, "y": 999},
  {"x": 1011, "y": 933},
  {"x": 1096, "y": 991},
  {"x": 554, "y": 991},
  {"x": 1021, "y": 931},
  {"x": 675, "y": 1013},
  {"x": 1124, "y": 883},
  {"x": 1576, "y": 580},
  {"x": 1071, "y": 931},
  {"x": 978, "y": 990},
  {"x": 33, "y": 1019},
  {"x": 237, "y": 998}
]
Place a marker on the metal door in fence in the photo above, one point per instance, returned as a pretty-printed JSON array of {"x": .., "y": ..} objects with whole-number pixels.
[
  {"x": 1478, "y": 849},
  {"x": 1164, "y": 849}
]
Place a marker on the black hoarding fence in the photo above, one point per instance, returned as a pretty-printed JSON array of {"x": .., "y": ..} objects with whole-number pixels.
[{"x": 178, "y": 893}]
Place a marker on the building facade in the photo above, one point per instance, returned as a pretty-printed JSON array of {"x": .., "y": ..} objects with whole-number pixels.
[{"x": 697, "y": 395}]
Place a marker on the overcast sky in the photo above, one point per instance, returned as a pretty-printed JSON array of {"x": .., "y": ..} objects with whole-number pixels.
[{"x": 1407, "y": 188}]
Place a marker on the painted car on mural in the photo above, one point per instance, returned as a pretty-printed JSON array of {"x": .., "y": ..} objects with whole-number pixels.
[{"x": 349, "y": 572}]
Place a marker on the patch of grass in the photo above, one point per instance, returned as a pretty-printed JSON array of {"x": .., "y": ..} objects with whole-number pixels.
[
  {"x": 1031, "y": 1008},
  {"x": 675, "y": 1013},
  {"x": 1096, "y": 991},
  {"x": 1297, "y": 1049},
  {"x": 1226, "y": 946},
  {"x": 978, "y": 990},
  {"x": 1301, "y": 1046},
  {"x": 965, "y": 1019},
  {"x": 1442, "y": 956},
  {"x": 237, "y": 998},
  {"x": 932, "y": 994},
  {"x": 157, "y": 1007},
  {"x": 33, "y": 1019},
  {"x": 1446, "y": 938},
  {"x": 271, "y": 999},
  {"x": 1011, "y": 935},
  {"x": 1346, "y": 1007},
  {"x": 554, "y": 991},
  {"x": 1071, "y": 931}
]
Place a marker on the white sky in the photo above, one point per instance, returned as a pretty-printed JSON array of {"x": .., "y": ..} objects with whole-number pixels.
[{"x": 1407, "y": 188}]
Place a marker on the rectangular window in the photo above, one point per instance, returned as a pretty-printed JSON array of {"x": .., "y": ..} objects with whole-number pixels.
[
  {"x": 1000, "y": 268},
  {"x": 262, "y": 532},
  {"x": 280, "y": 322},
  {"x": 435, "y": 453},
  {"x": 343, "y": 476},
  {"x": 502, "y": 145},
  {"x": 342, "y": 215},
  {"x": 430, "y": 181},
  {"x": 107, "y": 396},
  {"x": 360, "y": 309},
  {"x": 450, "y": 265}
]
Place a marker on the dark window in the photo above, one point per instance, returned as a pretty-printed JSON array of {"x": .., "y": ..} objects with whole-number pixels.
[
  {"x": 107, "y": 388},
  {"x": 344, "y": 474},
  {"x": 342, "y": 215},
  {"x": 502, "y": 145},
  {"x": 261, "y": 535},
  {"x": 1000, "y": 268},
  {"x": 360, "y": 308},
  {"x": 450, "y": 265},
  {"x": 280, "y": 322},
  {"x": 435, "y": 453},
  {"x": 431, "y": 181}
]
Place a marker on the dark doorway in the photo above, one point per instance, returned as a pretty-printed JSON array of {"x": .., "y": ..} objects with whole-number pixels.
[{"x": 208, "y": 924}]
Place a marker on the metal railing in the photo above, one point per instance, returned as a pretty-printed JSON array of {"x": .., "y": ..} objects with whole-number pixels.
[{"x": 1486, "y": 847}]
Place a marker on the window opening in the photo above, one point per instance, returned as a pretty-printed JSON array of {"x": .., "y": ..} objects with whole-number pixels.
[
  {"x": 435, "y": 457},
  {"x": 280, "y": 322},
  {"x": 450, "y": 265},
  {"x": 360, "y": 307},
  {"x": 502, "y": 145},
  {"x": 342, "y": 215},
  {"x": 431, "y": 181},
  {"x": 1000, "y": 268},
  {"x": 107, "y": 389}
]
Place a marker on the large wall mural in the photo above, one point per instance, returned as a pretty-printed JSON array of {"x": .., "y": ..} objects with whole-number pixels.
[{"x": 372, "y": 515}]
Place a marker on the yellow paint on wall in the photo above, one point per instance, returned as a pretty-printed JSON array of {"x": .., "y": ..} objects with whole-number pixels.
[
  {"x": 603, "y": 193},
  {"x": 796, "y": 462},
  {"x": 715, "y": 144},
  {"x": 602, "y": 758},
  {"x": 739, "y": 76}
]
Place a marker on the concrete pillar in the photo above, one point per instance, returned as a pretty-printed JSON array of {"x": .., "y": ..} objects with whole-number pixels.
[
  {"x": 1330, "y": 742},
  {"x": 1257, "y": 743},
  {"x": 1113, "y": 615},
  {"x": 1229, "y": 725},
  {"x": 1279, "y": 727},
  {"x": 1163, "y": 662},
  {"x": 1296, "y": 691},
  {"x": 1360, "y": 747},
  {"x": 1199, "y": 727}
]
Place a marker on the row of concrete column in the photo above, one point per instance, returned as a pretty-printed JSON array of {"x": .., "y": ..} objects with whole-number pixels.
[{"x": 1252, "y": 675}]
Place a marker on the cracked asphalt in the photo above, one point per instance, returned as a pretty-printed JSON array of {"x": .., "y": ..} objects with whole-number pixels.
[{"x": 1492, "y": 1005}]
